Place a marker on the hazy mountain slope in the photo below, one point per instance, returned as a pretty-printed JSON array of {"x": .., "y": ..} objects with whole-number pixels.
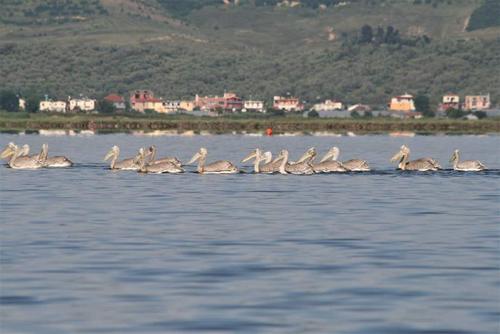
[{"x": 258, "y": 51}]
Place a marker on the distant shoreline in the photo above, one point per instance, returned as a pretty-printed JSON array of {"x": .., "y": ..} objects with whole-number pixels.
[{"x": 172, "y": 124}]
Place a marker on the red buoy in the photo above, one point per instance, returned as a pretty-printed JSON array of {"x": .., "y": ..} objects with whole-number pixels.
[{"x": 269, "y": 131}]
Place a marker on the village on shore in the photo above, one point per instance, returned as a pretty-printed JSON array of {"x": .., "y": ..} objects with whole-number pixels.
[{"x": 145, "y": 102}]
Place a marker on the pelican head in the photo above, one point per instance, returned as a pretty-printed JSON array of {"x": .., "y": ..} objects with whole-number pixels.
[
  {"x": 200, "y": 154},
  {"x": 267, "y": 157},
  {"x": 151, "y": 151},
  {"x": 310, "y": 153},
  {"x": 255, "y": 154},
  {"x": 403, "y": 150},
  {"x": 332, "y": 154},
  {"x": 455, "y": 156},
  {"x": 25, "y": 149},
  {"x": 115, "y": 151}
]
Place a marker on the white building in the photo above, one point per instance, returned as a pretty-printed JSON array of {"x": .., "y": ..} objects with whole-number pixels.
[
  {"x": 53, "y": 106},
  {"x": 328, "y": 105},
  {"x": 253, "y": 105},
  {"x": 82, "y": 104},
  {"x": 451, "y": 98},
  {"x": 22, "y": 104}
]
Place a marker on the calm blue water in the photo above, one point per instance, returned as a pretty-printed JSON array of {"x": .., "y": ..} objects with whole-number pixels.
[{"x": 88, "y": 250}]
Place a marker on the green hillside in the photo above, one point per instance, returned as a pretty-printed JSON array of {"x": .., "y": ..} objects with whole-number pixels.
[{"x": 316, "y": 50}]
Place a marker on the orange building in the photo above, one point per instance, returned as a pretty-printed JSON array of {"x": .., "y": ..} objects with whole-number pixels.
[{"x": 402, "y": 103}]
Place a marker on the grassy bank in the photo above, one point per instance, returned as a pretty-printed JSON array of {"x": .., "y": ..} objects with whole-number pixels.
[{"x": 180, "y": 123}]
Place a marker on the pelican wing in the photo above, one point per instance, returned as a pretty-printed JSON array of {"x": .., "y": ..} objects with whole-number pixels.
[
  {"x": 329, "y": 167},
  {"x": 470, "y": 165},
  {"x": 299, "y": 168},
  {"x": 26, "y": 162},
  {"x": 163, "y": 167},
  {"x": 271, "y": 167},
  {"x": 423, "y": 164},
  {"x": 221, "y": 166},
  {"x": 127, "y": 164},
  {"x": 356, "y": 165},
  {"x": 57, "y": 161},
  {"x": 172, "y": 160}
]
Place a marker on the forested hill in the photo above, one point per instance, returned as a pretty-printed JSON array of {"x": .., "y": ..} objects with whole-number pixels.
[{"x": 357, "y": 50}]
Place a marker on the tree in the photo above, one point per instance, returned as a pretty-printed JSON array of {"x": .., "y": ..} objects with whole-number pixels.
[
  {"x": 454, "y": 113},
  {"x": 379, "y": 36},
  {"x": 9, "y": 101},
  {"x": 422, "y": 104},
  {"x": 313, "y": 114},
  {"x": 366, "y": 34},
  {"x": 32, "y": 104},
  {"x": 106, "y": 107}
]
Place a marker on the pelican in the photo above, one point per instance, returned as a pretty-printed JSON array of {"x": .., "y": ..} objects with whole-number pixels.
[
  {"x": 153, "y": 160},
  {"x": 466, "y": 165},
  {"x": 218, "y": 167},
  {"x": 55, "y": 161},
  {"x": 297, "y": 168},
  {"x": 422, "y": 164},
  {"x": 328, "y": 164},
  {"x": 126, "y": 164},
  {"x": 19, "y": 159},
  {"x": 353, "y": 165},
  {"x": 259, "y": 157},
  {"x": 157, "y": 167}
]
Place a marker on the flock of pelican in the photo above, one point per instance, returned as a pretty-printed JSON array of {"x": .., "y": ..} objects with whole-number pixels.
[
  {"x": 19, "y": 158},
  {"x": 145, "y": 161}
]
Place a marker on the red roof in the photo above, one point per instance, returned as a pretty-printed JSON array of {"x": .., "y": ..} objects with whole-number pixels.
[{"x": 114, "y": 98}]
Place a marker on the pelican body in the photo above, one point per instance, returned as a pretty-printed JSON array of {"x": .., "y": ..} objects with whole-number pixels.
[
  {"x": 153, "y": 160},
  {"x": 422, "y": 164},
  {"x": 126, "y": 164},
  {"x": 353, "y": 165},
  {"x": 19, "y": 158},
  {"x": 303, "y": 167},
  {"x": 217, "y": 167},
  {"x": 466, "y": 165},
  {"x": 158, "y": 167},
  {"x": 55, "y": 161}
]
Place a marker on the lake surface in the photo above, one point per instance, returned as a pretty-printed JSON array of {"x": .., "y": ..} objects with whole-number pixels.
[{"x": 89, "y": 250}]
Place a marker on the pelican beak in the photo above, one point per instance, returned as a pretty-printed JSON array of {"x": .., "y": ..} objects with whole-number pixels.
[
  {"x": 7, "y": 152},
  {"x": 194, "y": 158},
  {"x": 252, "y": 155},
  {"x": 396, "y": 156},
  {"x": 327, "y": 156},
  {"x": 310, "y": 153},
  {"x": 278, "y": 158},
  {"x": 109, "y": 155}
]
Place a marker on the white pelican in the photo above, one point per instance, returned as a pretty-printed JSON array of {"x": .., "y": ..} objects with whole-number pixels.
[
  {"x": 218, "y": 167},
  {"x": 466, "y": 165},
  {"x": 157, "y": 167},
  {"x": 55, "y": 161},
  {"x": 259, "y": 157},
  {"x": 153, "y": 160},
  {"x": 422, "y": 164},
  {"x": 353, "y": 165},
  {"x": 297, "y": 168},
  {"x": 19, "y": 159},
  {"x": 126, "y": 164},
  {"x": 327, "y": 164}
]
